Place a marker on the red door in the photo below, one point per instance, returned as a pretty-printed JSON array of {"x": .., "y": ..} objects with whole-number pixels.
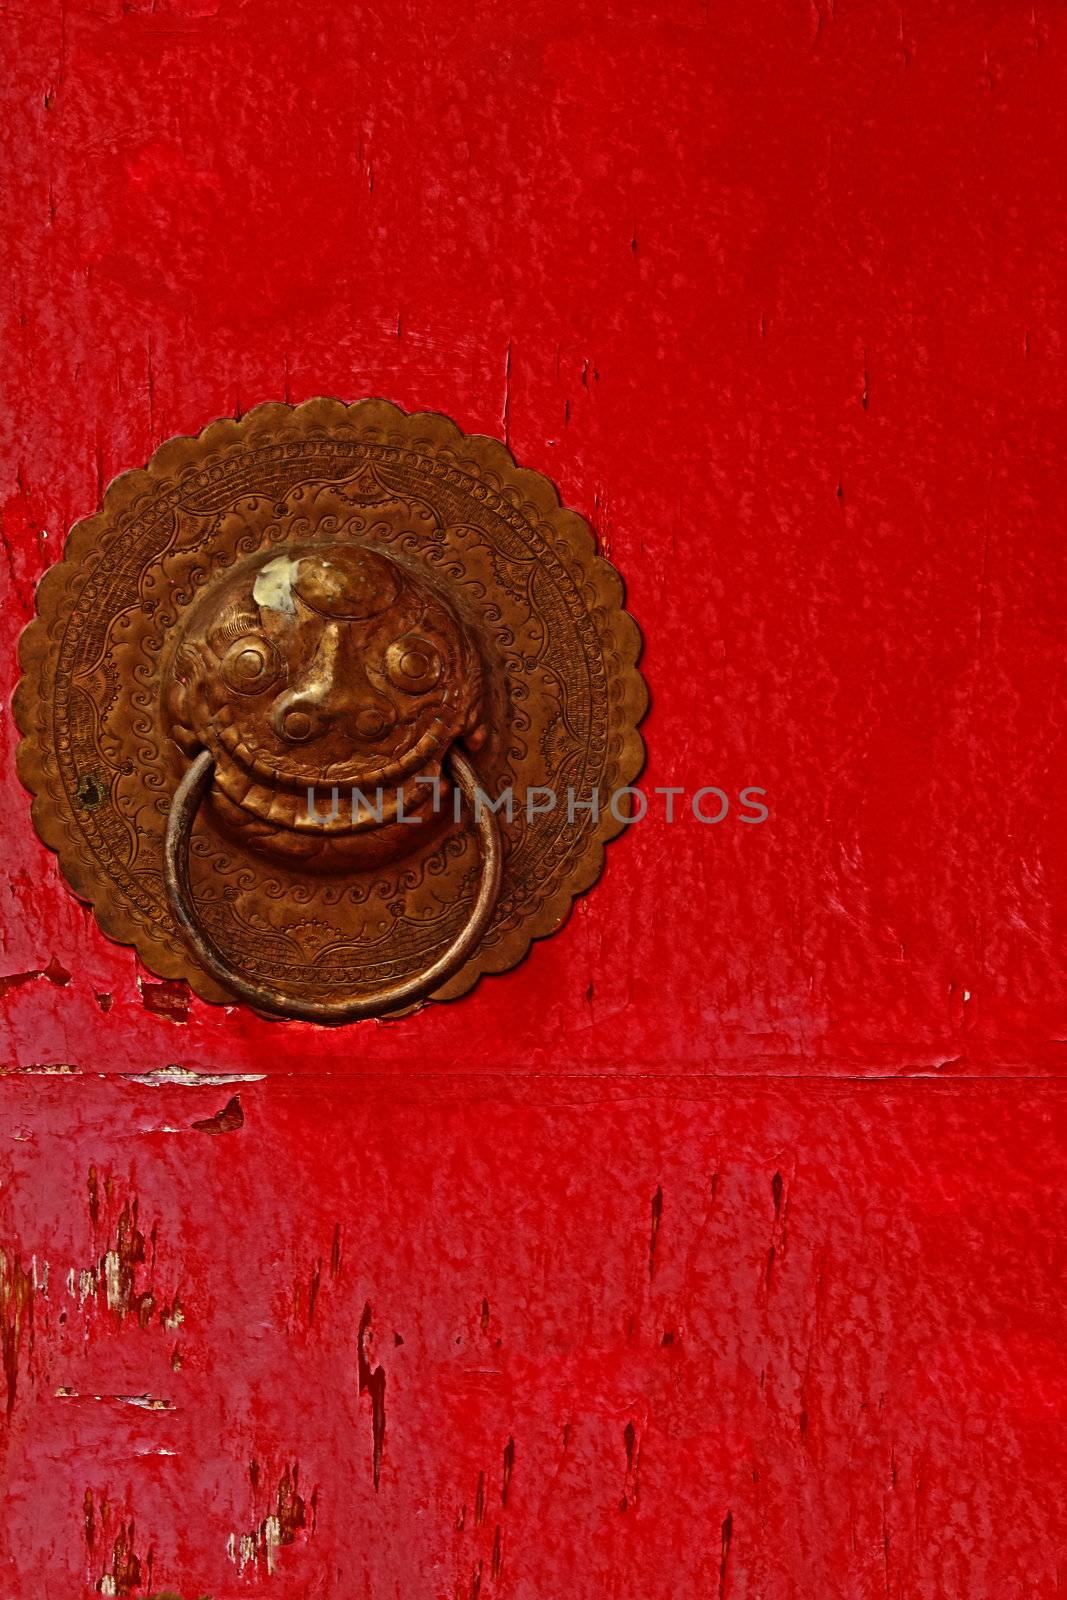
[{"x": 716, "y": 1251}]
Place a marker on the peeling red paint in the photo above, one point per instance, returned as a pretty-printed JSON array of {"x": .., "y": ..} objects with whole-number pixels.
[
  {"x": 544, "y": 1433},
  {"x": 54, "y": 972},
  {"x": 124, "y": 1572},
  {"x": 739, "y": 1201},
  {"x": 122, "y": 1275},
  {"x": 16, "y": 1318},
  {"x": 281, "y": 1526},
  {"x": 509, "y": 1467},
  {"x": 167, "y": 999},
  {"x": 724, "y": 1562},
  {"x": 15, "y": 980},
  {"x": 657, "y": 1215},
  {"x": 372, "y": 1382},
  {"x": 632, "y": 1491},
  {"x": 228, "y": 1120},
  {"x": 118, "y": 1269},
  {"x": 313, "y": 1290}
]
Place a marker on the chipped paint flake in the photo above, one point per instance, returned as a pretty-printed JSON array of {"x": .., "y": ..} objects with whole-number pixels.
[
  {"x": 286, "y": 1519},
  {"x": 192, "y": 1079},
  {"x": 143, "y": 1402}
]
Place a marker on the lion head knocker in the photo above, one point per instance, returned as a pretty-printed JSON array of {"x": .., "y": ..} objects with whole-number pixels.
[
  {"x": 327, "y": 668},
  {"x": 322, "y": 709}
]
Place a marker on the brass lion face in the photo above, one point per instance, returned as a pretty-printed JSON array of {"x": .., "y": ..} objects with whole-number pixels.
[
  {"x": 324, "y": 666},
  {"x": 318, "y": 595}
]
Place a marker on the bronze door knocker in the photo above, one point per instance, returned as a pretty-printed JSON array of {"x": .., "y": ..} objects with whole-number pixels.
[{"x": 288, "y": 688}]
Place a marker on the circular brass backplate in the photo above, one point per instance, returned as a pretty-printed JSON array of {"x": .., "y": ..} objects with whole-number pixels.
[{"x": 104, "y": 746}]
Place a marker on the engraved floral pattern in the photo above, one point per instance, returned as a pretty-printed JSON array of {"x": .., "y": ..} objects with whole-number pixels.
[{"x": 559, "y": 703}]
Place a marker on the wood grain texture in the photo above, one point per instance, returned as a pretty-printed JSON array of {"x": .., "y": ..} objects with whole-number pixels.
[{"x": 716, "y": 1250}]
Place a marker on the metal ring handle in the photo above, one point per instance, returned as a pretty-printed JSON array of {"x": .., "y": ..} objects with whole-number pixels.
[{"x": 183, "y": 810}]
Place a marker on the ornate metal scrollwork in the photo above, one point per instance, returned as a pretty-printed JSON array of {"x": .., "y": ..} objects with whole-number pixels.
[{"x": 267, "y": 668}]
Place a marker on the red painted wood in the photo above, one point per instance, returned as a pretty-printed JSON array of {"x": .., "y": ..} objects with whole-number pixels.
[{"x": 731, "y": 1219}]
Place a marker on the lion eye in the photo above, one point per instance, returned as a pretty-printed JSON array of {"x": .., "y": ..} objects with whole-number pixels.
[
  {"x": 413, "y": 665},
  {"x": 250, "y": 665}
]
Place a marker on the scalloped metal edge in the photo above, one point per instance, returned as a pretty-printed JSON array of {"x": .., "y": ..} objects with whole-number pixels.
[{"x": 181, "y": 451}]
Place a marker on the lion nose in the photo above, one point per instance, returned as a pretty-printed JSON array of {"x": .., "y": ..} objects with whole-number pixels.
[
  {"x": 331, "y": 695},
  {"x": 297, "y": 718},
  {"x": 300, "y": 715}
]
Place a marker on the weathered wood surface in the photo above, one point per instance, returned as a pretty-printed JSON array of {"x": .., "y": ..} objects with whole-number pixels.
[{"x": 718, "y": 1250}]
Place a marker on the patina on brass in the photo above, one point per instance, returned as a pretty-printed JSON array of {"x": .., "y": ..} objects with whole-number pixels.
[
  {"x": 327, "y": 665},
  {"x": 391, "y": 995},
  {"x": 338, "y": 598}
]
